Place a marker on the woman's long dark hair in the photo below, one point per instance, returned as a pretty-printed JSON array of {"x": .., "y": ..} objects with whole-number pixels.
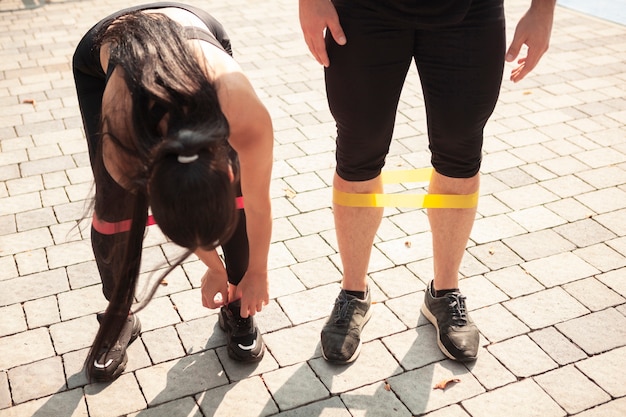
[{"x": 192, "y": 201}]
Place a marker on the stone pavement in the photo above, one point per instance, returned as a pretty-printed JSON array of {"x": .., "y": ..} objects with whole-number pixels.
[{"x": 545, "y": 272}]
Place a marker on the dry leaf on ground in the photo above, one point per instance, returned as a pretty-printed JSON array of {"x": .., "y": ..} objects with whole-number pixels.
[{"x": 443, "y": 384}]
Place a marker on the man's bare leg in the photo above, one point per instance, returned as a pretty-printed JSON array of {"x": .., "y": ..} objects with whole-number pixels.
[
  {"x": 355, "y": 228},
  {"x": 457, "y": 335},
  {"x": 450, "y": 229}
]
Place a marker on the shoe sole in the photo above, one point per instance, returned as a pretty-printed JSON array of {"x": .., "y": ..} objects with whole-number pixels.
[
  {"x": 357, "y": 352},
  {"x": 426, "y": 312},
  {"x": 231, "y": 352},
  {"x": 108, "y": 377}
]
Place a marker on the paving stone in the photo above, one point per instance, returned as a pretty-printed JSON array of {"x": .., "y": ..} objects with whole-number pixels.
[
  {"x": 615, "y": 221},
  {"x": 480, "y": 292},
  {"x": 316, "y": 272},
  {"x": 614, "y": 280},
  {"x": 594, "y": 338},
  {"x": 559, "y": 269},
  {"x": 5, "y": 394},
  {"x": 31, "y": 262},
  {"x": 382, "y": 323},
  {"x": 188, "y": 304},
  {"x": 522, "y": 356},
  {"x": 497, "y": 324},
  {"x": 81, "y": 302},
  {"x": 571, "y": 389},
  {"x": 415, "y": 388},
  {"x": 33, "y": 286},
  {"x": 602, "y": 257},
  {"x": 159, "y": 312},
  {"x": 125, "y": 390},
  {"x": 13, "y": 320},
  {"x": 521, "y": 399},
  {"x": 83, "y": 274},
  {"x": 489, "y": 371},
  {"x": 283, "y": 282},
  {"x": 567, "y": 186},
  {"x": 605, "y": 200},
  {"x": 295, "y": 344},
  {"x": 74, "y": 334},
  {"x": 495, "y": 255},
  {"x": 615, "y": 408},
  {"x": 295, "y": 385},
  {"x": 414, "y": 348},
  {"x": 593, "y": 294},
  {"x": 557, "y": 346},
  {"x": 184, "y": 407},
  {"x": 181, "y": 377},
  {"x": 250, "y": 392},
  {"x": 545, "y": 308},
  {"x": 163, "y": 344},
  {"x": 514, "y": 281},
  {"x": 604, "y": 370},
  {"x": 534, "y": 219},
  {"x": 200, "y": 334},
  {"x": 332, "y": 407},
  {"x": 410, "y": 223},
  {"x": 407, "y": 249},
  {"x": 570, "y": 209},
  {"x": 25, "y": 347},
  {"x": 24, "y": 241},
  {"x": 584, "y": 232},
  {"x": 310, "y": 304},
  {"x": 374, "y": 400},
  {"x": 42, "y": 312},
  {"x": 526, "y": 196},
  {"x": 237, "y": 371},
  {"x": 538, "y": 244},
  {"x": 374, "y": 364},
  {"x": 66, "y": 403},
  {"x": 407, "y": 308},
  {"x": 272, "y": 318},
  {"x": 450, "y": 411},
  {"x": 37, "y": 379},
  {"x": 313, "y": 221}
]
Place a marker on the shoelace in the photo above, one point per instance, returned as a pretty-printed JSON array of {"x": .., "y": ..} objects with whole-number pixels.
[
  {"x": 456, "y": 306},
  {"x": 345, "y": 306}
]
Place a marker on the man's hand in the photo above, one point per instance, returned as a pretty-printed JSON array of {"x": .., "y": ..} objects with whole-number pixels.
[
  {"x": 533, "y": 30},
  {"x": 315, "y": 17}
]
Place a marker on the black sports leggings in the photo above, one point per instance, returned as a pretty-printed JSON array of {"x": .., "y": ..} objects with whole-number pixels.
[
  {"x": 460, "y": 64},
  {"x": 90, "y": 81}
]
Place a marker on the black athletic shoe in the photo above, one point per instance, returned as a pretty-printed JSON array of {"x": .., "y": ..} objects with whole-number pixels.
[
  {"x": 111, "y": 364},
  {"x": 243, "y": 338},
  {"x": 457, "y": 335},
  {"x": 341, "y": 335}
]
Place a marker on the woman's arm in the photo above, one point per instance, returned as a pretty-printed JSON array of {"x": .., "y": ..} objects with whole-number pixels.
[{"x": 251, "y": 135}]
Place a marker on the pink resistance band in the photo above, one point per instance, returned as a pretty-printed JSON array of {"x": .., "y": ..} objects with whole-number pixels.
[{"x": 107, "y": 228}]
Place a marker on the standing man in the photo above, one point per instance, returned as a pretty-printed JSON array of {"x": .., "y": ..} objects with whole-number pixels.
[{"x": 366, "y": 47}]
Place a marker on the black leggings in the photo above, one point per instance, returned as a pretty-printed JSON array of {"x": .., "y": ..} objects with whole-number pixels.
[
  {"x": 90, "y": 81},
  {"x": 460, "y": 64}
]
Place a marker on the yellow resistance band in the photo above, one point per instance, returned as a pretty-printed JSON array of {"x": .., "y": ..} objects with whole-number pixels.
[{"x": 406, "y": 200}]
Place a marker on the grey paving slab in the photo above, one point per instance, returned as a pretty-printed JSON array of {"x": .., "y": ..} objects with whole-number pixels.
[
  {"x": 543, "y": 271},
  {"x": 295, "y": 385},
  {"x": 521, "y": 399}
]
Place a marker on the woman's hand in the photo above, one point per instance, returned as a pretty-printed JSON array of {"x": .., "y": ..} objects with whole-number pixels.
[
  {"x": 214, "y": 288},
  {"x": 253, "y": 290}
]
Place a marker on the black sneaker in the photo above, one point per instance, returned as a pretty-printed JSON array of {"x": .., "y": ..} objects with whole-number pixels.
[
  {"x": 341, "y": 335},
  {"x": 243, "y": 337},
  {"x": 111, "y": 364},
  {"x": 457, "y": 335}
]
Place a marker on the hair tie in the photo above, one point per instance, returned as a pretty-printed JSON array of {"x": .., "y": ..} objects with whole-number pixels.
[{"x": 187, "y": 159}]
